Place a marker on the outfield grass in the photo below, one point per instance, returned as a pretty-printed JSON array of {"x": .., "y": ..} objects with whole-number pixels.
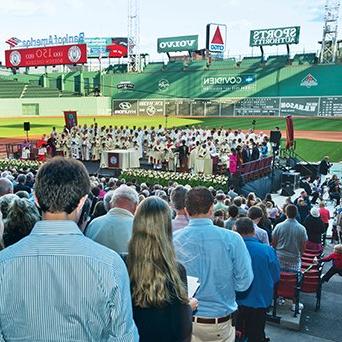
[{"x": 308, "y": 149}]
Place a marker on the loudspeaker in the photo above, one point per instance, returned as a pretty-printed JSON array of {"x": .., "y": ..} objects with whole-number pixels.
[
  {"x": 287, "y": 191},
  {"x": 291, "y": 178},
  {"x": 27, "y": 126},
  {"x": 275, "y": 137}
]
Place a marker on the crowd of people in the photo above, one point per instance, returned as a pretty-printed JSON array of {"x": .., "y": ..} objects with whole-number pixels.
[
  {"x": 100, "y": 259},
  {"x": 196, "y": 149}
]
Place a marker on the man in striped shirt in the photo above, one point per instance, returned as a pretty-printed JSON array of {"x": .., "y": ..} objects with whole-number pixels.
[{"x": 56, "y": 284}]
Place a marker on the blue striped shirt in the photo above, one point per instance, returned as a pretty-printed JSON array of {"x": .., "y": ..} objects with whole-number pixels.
[{"x": 57, "y": 285}]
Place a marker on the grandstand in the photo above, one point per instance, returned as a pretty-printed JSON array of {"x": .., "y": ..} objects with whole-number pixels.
[{"x": 297, "y": 86}]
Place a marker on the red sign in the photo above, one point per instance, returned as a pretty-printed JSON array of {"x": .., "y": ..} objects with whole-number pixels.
[
  {"x": 49, "y": 55},
  {"x": 70, "y": 118}
]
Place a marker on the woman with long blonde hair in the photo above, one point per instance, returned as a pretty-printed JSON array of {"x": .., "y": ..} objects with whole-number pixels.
[{"x": 161, "y": 307}]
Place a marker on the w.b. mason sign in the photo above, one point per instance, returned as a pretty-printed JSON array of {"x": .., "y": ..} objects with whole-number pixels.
[{"x": 175, "y": 44}]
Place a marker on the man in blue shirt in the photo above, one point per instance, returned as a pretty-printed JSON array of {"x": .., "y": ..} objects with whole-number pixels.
[
  {"x": 220, "y": 260},
  {"x": 254, "y": 302},
  {"x": 56, "y": 284}
]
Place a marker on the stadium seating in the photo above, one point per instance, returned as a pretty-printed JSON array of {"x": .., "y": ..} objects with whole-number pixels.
[
  {"x": 279, "y": 60},
  {"x": 11, "y": 89},
  {"x": 223, "y": 64},
  {"x": 304, "y": 58},
  {"x": 154, "y": 67},
  {"x": 197, "y": 65},
  {"x": 288, "y": 287},
  {"x": 251, "y": 62},
  {"x": 175, "y": 66}
]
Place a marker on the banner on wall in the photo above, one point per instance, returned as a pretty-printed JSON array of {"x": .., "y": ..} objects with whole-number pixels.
[{"x": 44, "y": 56}]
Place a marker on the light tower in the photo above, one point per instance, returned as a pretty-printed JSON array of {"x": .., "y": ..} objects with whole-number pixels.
[
  {"x": 329, "y": 40},
  {"x": 134, "y": 63}
]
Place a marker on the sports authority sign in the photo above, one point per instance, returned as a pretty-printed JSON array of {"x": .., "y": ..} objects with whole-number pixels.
[
  {"x": 54, "y": 55},
  {"x": 176, "y": 44},
  {"x": 275, "y": 36},
  {"x": 216, "y": 38}
]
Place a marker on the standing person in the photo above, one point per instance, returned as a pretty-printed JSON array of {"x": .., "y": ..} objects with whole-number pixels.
[
  {"x": 233, "y": 212},
  {"x": 114, "y": 230},
  {"x": 254, "y": 302},
  {"x": 325, "y": 217},
  {"x": 178, "y": 204},
  {"x": 183, "y": 151},
  {"x": 323, "y": 168},
  {"x": 314, "y": 229},
  {"x": 289, "y": 239},
  {"x": 255, "y": 214},
  {"x": 161, "y": 307},
  {"x": 76, "y": 289},
  {"x": 198, "y": 247}
]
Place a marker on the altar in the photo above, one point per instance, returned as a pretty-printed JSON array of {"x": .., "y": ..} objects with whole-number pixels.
[{"x": 120, "y": 159}]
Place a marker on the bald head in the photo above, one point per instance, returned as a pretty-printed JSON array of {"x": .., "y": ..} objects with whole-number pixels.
[{"x": 6, "y": 186}]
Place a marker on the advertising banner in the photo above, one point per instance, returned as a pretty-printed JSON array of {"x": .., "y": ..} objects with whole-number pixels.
[
  {"x": 275, "y": 36},
  {"x": 106, "y": 47},
  {"x": 151, "y": 107},
  {"x": 216, "y": 38},
  {"x": 51, "y": 55},
  {"x": 52, "y": 39},
  {"x": 229, "y": 82},
  {"x": 176, "y": 44},
  {"x": 125, "y": 107},
  {"x": 304, "y": 106}
]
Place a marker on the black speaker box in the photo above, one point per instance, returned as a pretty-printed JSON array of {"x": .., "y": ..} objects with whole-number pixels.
[
  {"x": 287, "y": 191},
  {"x": 27, "y": 126}
]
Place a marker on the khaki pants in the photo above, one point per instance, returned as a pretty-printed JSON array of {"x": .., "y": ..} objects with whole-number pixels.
[{"x": 220, "y": 332}]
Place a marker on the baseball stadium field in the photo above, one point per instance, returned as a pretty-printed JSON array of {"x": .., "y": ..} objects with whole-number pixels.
[{"x": 315, "y": 137}]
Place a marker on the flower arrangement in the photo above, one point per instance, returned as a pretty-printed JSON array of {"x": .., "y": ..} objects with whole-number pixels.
[
  {"x": 19, "y": 165},
  {"x": 163, "y": 178}
]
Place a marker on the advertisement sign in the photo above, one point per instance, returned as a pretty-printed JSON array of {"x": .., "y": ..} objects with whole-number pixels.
[
  {"x": 52, "y": 39},
  {"x": 306, "y": 106},
  {"x": 229, "y": 82},
  {"x": 125, "y": 107},
  {"x": 216, "y": 38},
  {"x": 275, "y": 36},
  {"x": 53, "y": 55},
  {"x": 151, "y": 107},
  {"x": 106, "y": 47},
  {"x": 176, "y": 44}
]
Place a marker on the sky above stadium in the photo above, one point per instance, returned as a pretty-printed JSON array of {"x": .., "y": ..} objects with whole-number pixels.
[{"x": 159, "y": 18}]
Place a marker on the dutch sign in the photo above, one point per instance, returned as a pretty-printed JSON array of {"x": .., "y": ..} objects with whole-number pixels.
[
  {"x": 44, "y": 56},
  {"x": 177, "y": 44},
  {"x": 216, "y": 38},
  {"x": 275, "y": 36}
]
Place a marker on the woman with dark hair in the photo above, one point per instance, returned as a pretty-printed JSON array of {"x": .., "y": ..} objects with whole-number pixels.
[
  {"x": 161, "y": 307},
  {"x": 21, "y": 217}
]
